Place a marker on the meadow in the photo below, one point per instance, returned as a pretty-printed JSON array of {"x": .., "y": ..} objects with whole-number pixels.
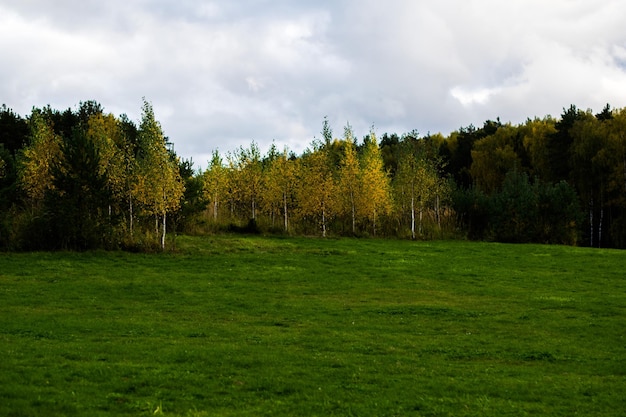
[{"x": 258, "y": 326}]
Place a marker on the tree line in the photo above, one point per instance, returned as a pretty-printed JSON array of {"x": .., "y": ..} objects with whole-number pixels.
[{"x": 83, "y": 179}]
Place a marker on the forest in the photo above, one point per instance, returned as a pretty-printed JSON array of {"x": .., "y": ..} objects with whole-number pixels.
[{"x": 81, "y": 179}]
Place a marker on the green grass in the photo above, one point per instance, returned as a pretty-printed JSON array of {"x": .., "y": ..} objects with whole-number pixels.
[{"x": 234, "y": 326}]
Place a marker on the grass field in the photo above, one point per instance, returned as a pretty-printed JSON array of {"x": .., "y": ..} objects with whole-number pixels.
[{"x": 253, "y": 326}]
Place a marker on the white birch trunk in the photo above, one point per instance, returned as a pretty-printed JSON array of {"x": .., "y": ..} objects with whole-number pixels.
[
  {"x": 323, "y": 222},
  {"x": 163, "y": 232},
  {"x": 130, "y": 209},
  {"x": 285, "y": 211},
  {"x": 413, "y": 217}
]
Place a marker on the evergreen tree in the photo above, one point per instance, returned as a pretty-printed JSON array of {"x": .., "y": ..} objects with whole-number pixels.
[{"x": 76, "y": 207}]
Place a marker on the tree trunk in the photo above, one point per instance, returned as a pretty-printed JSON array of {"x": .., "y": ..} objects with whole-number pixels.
[
  {"x": 323, "y": 222},
  {"x": 130, "y": 209},
  {"x": 421, "y": 217},
  {"x": 374, "y": 222},
  {"x": 163, "y": 232},
  {"x": 413, "y": 217},
  {"x": 285, "y": 211}
]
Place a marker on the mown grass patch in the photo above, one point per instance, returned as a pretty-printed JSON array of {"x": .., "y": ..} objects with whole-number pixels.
[{"x": 231, "y": 326}]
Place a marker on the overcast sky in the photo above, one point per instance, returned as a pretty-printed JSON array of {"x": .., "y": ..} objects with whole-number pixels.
[{"x": 221, "y": 74}]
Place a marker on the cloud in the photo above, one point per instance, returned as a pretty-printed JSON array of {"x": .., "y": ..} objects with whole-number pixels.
[{"x": 221, "y": 74}]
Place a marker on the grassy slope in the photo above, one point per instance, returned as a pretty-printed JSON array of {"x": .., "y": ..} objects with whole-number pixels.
[{"x": 257, "y": 326}]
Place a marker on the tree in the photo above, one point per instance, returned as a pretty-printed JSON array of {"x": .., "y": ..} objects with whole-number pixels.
[
  {"x": 417, "y": 182},
  {"x": 36, "y": 176},
  {"x": 558, "y": 213},
  {"x": 514, "y": 209},
  {"x": 3, "y": 165},
  {"x": 327, "y": 132},
  {"x": 280, "y": 184},
  {"x": 389, "y": 149},
  {"x": 317, "y": 191},
  {"x": 14, "y": 131},
  {"x": 492, "y": 157},
  {"x": 589, "y": 169},
  {"x": 457, "y": 151},
  {"x": 106, "y": 134},
  {"x": 559, "y": 145},
  {"x": 375, "y": 182},
  {"x": 350, "y": 182},
  {"x": 193, "y": 201},
  {"x": 8, "y": 179},
  {"x": 215, "y": 182},
  {"x": 247, "y": 177},
  {"x": 76, "y": 207},
  {"x": 159, "y": 187},
  {"x": 536, "y": 135},
  {"x": 616, "y": 188}
]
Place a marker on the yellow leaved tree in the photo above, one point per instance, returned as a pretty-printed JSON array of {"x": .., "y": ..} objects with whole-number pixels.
[
  {"x": 159, "y": 186},
  {"x": 376, "y": 187},
  {"x": 317, "y": 191},
  {"x": 37, "y": 159}
]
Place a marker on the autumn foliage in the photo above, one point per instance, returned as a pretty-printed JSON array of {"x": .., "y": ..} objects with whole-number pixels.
[{"x": 83, "y": 179}]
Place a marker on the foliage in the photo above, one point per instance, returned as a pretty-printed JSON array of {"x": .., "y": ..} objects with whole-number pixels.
[
  {"x": 76, "y": 181},
  {"x": 556, "y": 180}
]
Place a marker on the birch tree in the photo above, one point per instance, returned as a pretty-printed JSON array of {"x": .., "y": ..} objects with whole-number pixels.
[
  {"x": 416, "y": 182},
  {"x": 280, "y": 185},
  {"x": 350, "y": 182},
  {"x": 317, "y": 190},
  {"x": 160, "y": 187},
  {"x": 376, "y": 194},
  {"x": 104, "y": 131},
  {"x": 36, "y": 160},
  {"x": 246, "y": 178},
  {"x": 215, "y": 184},
  {"x": 585, "y": 172}
]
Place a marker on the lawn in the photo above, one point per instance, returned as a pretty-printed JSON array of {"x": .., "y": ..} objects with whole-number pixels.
[{"x": 256, "y": 326}]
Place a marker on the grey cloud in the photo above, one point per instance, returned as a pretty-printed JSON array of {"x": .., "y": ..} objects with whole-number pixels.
[{"x": 221, "y": 73}]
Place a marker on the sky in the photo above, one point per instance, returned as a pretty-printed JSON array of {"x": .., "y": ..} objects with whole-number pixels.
[{"x": 222, "y": 74}]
